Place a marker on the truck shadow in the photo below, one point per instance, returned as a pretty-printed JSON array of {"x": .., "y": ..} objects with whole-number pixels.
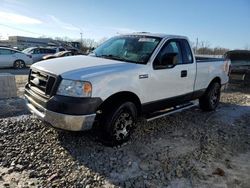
[{"x": 151, "y": 146}]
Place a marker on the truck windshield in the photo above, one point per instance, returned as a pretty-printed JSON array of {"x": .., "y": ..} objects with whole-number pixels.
[
  {"x": 129, "y": 48},
  {"x": 27, "y": 50}
]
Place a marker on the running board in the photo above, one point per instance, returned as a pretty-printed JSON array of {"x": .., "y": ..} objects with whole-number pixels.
[{"x": 172, "y": 110}]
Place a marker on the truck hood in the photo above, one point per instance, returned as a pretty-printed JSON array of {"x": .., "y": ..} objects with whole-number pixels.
[{"x": 79, "y": 67}]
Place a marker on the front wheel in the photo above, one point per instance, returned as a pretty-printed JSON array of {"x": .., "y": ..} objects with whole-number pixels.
[
  {"x": 19, "y": 64},
  {"x": 119, "y": 122},
  {"x": 210, "y": 100}
]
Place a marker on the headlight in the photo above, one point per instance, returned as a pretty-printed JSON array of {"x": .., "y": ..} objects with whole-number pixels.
[{"x": 75, "y": 88}]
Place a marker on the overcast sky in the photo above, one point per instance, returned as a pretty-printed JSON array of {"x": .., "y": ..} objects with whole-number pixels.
[{"x": 222, "y": 23}]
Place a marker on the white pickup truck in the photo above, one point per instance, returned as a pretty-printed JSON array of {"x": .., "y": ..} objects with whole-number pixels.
[{"x": 128, "y": 76}]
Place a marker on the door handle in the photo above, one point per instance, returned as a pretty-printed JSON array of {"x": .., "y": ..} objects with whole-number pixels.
[
  {"x": 142, "y": 76},
  {"x": 184, "y": 73}
]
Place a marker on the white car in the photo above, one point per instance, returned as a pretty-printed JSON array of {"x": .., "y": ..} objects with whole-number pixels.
[
  {"x": 39, "y": 52},
  {"x": 14, "y": 58},
  {"x": 128, "y": 76}
]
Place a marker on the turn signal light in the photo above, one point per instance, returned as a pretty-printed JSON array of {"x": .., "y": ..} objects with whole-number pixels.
[{"x": 87, "y": 88}]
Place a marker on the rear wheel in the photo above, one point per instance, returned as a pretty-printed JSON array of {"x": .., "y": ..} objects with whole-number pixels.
[
  {"x": 118, "y": 122},
  {"x": 210, "y": 100},
  {"x": 19, "y": 64}
]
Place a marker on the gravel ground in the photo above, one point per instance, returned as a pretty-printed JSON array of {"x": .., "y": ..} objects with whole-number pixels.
[
  {"x": 187, "y": 149},
  {"x": 15, "y": 106}
]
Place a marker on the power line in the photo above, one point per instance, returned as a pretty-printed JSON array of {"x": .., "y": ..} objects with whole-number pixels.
[{"x": 11, "y": 27}]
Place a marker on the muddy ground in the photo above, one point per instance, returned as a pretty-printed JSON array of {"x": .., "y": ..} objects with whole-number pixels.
[{"x": 188, "y": 149}]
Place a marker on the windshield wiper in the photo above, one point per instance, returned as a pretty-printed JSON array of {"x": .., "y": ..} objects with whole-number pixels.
[{"x": 110, "y": 56}]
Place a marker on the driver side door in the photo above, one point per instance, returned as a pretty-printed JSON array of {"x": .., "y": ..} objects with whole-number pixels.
[{"x": 171, "y": 83}]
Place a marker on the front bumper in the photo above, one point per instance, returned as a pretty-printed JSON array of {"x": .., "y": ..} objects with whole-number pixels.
[{"x": 59, "y": 120}]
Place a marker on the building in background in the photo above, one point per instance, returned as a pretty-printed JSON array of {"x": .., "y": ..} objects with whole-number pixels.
[{"x": 21, "y": 43}]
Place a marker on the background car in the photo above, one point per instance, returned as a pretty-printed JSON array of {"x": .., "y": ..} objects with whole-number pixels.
[
  {"x": 240, "y": 67},
  {"x": 58, "y": 54},
  {"x": 39, "y": 52},
  {"x": 14, "y": 58}
]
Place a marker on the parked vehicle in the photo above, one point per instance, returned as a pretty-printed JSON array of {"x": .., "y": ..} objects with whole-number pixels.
[
  {"x": 58, "y": 54},
  {"x": 60, "y": 49},
  {"x": 39, "y": 52},
  {"x": 240, "y": 69},
  {"x": 13, "y": 58},
  {"x": 74, "y": 51},
  {"x": 128, "y": 76}
]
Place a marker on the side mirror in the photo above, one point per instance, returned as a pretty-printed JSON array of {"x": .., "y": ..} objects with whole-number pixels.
[{"x": 170, "y": 60}]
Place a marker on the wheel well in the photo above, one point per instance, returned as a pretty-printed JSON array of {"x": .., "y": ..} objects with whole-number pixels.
[
  {"x": 124, "y": 96},
  {"x": 216, "y": 79},
  {"x": 19, "y": 60}
]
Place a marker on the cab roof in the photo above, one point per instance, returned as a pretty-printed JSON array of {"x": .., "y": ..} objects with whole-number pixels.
[{"x": 160, "y": 35}]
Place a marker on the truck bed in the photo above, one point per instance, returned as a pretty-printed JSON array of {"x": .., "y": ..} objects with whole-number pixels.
[
  {"x": 204, "y": 59},
  {"x": 207, "y": 69}
]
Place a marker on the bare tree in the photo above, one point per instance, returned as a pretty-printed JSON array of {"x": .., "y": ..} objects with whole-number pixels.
[
  {"x": 247, "y": 47},
  {"x": 102, "y": 40},
  {"x": 203, "y": 47}
]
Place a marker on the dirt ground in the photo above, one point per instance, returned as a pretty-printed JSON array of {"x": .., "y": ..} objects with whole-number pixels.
[{"x": 187, "y": 149}]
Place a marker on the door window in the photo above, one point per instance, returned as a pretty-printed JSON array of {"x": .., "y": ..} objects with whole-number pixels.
[
  {"x": 49, "y": 51},
  {"x": 43, "y": 51},
  {"x": 5, "y": 52},
  {"x": 187, "y": 53},
  {"x": 169, "y": 56},
  {"x": 36, "y": 51}
]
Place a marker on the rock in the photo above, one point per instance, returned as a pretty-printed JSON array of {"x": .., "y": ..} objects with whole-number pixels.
[
  {"x": 10, "y": 170},
  {"x": 144, "y": 166},
  {"x": 6, "y": 184},
  {"x": 32, "y": 174},
  {"x": 129, "y": 163},
  {"x": 219, "y": 172},
  {"x": 31, "y": 183},
  {"x": 19, "y": 167},
  {"x": 53, "y": 177},
  {"x": 127, "y": 184},
  {"x": 113, "y": 158},
  {"x": 12, "y": 163}
]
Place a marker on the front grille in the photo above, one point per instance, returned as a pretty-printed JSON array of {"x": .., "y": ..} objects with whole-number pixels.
[{"x": 41, "y": 83}]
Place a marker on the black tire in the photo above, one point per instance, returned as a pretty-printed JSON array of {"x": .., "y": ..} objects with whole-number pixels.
[
  {"x": 19, "y": 64},
  {"x": 118, "y": 123},
  {"x": 210, "y": 100},
  {"x": 247, "y": 79}
]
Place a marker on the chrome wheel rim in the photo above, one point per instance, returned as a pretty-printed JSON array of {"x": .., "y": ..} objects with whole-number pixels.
[
  {"x": 215, "y": 96},
  {"x": 122, "y": 126},
  {"x": 19, "y": 64}
]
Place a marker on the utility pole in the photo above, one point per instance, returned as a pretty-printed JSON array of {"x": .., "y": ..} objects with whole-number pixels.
[
  {"x": 81, "y": 38},
  {"x": 196, "y": 45}
]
